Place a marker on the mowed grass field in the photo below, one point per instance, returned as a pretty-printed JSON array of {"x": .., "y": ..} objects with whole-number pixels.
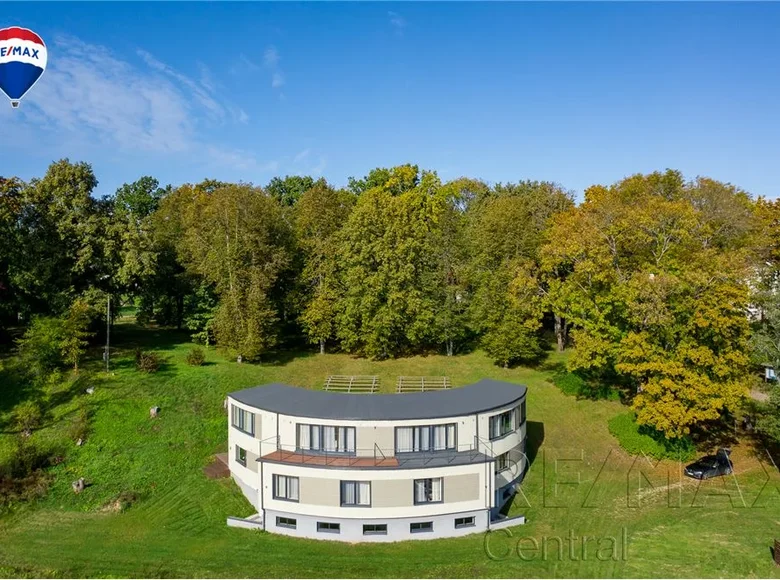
[{"x": 591, "y": 510}]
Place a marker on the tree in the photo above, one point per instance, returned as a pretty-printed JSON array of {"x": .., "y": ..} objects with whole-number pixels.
[
  {"x": 134, "y": 204},
  {"x": 394, "y": 181},
  {"x": 320, "y": 213},
  {"x": 656, "y": 289},
  {"x": 506, "y": 230},
  {"x": 11, "y": 200},
  {"x": 234, "y": 237},
  {"x": 64, "y": 232},
  {"x": 389, "y": 273},
  {"x": 75, "y": 332},
  {"x": 40, "y": 349},
  {"x": 290, "y": 189}
]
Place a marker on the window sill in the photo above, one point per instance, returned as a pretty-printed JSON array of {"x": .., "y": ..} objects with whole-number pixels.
[{"x": 286, "y": 499}]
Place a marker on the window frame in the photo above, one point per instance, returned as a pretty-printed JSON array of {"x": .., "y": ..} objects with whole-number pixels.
[
  {"x": 321, "y": 528},
  {"x": 355, "y": 483},
  {"x": 465, "y": 522},
  {"x": 501, "y": 417},
  {"x": 416, "y": 438},
  {"x": 291, "y": 526},
  {"x": 504, "y": 455},
  {"x": 275, "y": 484},
  {"x": 321, "y": 439},
  {"x": 427, "y": 529},
  {"x": 239, "y": 451},
  {"x": 431, "y": 479},
  {"x": 375, "y": 532},
  {"x": 238, "y": 420}
]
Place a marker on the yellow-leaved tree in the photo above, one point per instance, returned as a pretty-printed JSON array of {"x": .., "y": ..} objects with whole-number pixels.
[{"x": 652, "y": 274}]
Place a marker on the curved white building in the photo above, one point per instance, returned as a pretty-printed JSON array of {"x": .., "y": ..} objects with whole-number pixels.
[{"x": 377, "y": 467}]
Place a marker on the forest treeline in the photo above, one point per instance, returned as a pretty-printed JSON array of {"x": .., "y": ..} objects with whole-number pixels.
[{"x": 665, "y": 286}]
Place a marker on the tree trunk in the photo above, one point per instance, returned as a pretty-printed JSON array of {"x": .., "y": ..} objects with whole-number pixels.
[
  {"x": 560, "y": 332},
  {"x": 322, "y": 347},
  {"x": 450, "y": 348}
]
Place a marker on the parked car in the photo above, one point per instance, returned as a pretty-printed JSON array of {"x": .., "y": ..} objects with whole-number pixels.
[{"x": 711, "y": 465}]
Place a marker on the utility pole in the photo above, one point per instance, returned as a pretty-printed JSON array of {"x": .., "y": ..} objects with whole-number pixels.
[{"x": 108, "y": 326}]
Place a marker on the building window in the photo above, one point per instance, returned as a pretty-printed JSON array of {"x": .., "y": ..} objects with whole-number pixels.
[
  {"x": 465, "y": 522},
  {"x": 356, "y": 493},
  {"x": 326, "y": 438},
  {"x": 428, "y": 490},
  {"x": 286, "y": 523},
  {"x": 374, "y": 529},
  {"x": 522, "y": 414},
  {"x": 419, "y": 527},
  {"x": 425, "y": 438},
  {"x": 502, "y": 424},
  {"x": 243, "y": 420},
  {"x": 329, "y": 527},
  {"x": 502, "y": 462},
  {"x": 285, "y": 487},
  {"x": 241, "y": 455}
]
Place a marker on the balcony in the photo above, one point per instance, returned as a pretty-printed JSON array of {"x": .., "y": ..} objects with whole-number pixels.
[{"x": 372, "y": 458}]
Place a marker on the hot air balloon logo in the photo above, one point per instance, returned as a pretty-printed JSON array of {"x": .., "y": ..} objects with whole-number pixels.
[{"x": 22, "y": 61}]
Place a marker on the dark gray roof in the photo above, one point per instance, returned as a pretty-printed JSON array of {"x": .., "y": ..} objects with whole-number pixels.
[{"x": 480, "y": 397}]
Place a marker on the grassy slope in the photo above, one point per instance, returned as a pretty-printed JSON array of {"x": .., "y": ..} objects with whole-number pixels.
[{"x": 177, "y": 528}]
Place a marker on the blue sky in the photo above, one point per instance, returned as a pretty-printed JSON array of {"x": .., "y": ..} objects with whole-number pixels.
[{"x": 574, "y": 93}]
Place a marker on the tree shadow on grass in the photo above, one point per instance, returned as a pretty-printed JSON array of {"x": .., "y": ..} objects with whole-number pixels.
[{"x": 15, "y": 388}]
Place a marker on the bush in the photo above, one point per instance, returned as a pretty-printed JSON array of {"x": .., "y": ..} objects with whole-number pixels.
[
  {"x": 574, "y": 385},
  {"x": 28, "y": 416},
  {"x": 196, "y": 357},
  {"x": 642, "y": 439},
  {"x": 79, "y": 429},
  {"x": 22, "y": 477},
  {"x": 147, "y": 362}
]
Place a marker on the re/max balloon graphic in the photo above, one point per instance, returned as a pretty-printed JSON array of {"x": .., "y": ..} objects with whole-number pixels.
[{"x": 22, "y": 61}]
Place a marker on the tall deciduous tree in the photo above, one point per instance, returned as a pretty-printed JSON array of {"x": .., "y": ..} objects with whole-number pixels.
[
  {"x": 389, "y": 267},
  {"x": 288, "y": 190},
  {"x": 235, "y": 238},
  {"x": 320, "y": 213},
  {"x": 507, "y": 228},
  {"x": 656, "y": 288}
]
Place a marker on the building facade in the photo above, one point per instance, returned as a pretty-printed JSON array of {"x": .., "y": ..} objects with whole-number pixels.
[{"x": 378, "y": 467}]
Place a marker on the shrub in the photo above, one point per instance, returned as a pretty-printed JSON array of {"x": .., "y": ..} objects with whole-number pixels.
[
  {"x": 196, "y": 357},
  {"x": 22, "y": 477},
  {"x": 147, "y": 362},
  {"x": 642, "y": 439},
  {"x": 28, "y": 416},
  {"x": 574, "y": 385},
  {"x": 79, "y": 429}
]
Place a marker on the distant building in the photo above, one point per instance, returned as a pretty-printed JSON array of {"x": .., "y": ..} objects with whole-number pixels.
[{"x": 378, "y": 467}]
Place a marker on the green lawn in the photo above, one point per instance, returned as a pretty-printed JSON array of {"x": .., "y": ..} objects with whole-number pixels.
[{"x": 579, "y": 484}]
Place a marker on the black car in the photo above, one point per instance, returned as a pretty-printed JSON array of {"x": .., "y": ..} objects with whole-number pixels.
[{"x": 711, "y": 465}]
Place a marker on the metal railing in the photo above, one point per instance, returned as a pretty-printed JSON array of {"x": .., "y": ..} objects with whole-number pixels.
[
  {"x": 415, "y": 384},
  {"x": 352, "y": 383},
  {"x": 272, "y": 449}
]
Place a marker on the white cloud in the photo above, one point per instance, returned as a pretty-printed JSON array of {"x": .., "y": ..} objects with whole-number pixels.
[
  {"x": 271, "y": 57},
  {"x": 397, "y": 21},
  {"x": 90, "y": 99},
  {"x": 320, "y": 167},
  {"x": 277, "y": 80},
  {"x": 301, "y": 156}
]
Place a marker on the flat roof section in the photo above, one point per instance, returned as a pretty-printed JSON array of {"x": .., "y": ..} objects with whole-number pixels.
[{"x": 483, "y": 396}]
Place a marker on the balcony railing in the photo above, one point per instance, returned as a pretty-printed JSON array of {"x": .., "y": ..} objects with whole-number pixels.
[{"x": 272, "y": 449}]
